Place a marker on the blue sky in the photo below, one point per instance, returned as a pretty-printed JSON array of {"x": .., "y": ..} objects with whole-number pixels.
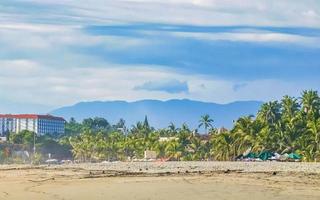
[{"x": 56, "y": 53}]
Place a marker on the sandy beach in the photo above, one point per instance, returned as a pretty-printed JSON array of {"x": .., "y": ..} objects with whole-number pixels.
[{"x": 167, "y": 180}]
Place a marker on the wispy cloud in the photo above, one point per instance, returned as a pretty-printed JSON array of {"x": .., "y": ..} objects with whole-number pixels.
[
  {"x": 207, "y": 50},
  {"x": 302, "y": 36},
  {"x": 170, "y": 86},
  {"x": 72, "y": 85},
  {"x": 200, "y": 12},
  {"x": 262, "y": 37}
]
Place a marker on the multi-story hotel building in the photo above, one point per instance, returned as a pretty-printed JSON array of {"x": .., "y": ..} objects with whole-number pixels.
[{"x": 40, "y": 124}]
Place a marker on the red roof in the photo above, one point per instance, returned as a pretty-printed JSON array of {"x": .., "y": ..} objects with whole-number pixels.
[{"x": 31, "y": 116}]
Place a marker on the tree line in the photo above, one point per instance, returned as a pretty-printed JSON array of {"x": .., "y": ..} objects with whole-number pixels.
[{"x": 291, "y": 125}]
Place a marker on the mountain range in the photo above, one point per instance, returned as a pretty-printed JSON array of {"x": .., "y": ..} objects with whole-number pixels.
[{"x": 161, "y": 113}]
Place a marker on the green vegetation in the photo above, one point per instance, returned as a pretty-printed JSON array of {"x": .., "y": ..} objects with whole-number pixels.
[
  {"x": 19, "y": 148},
  {"x": 102, "y": 141},
  {"x": 290, "y": 126}
]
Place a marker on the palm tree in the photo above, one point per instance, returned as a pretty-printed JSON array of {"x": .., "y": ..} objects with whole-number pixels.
[
  {"x": 290, "y": 107},
  {"x": 291, "y": 127},
  {"x": 83, "y": 146},
  {"x": 205, "y": 121},
  {"x": 244, "y": 134},
  {"x": 137, "y": 129},
  {"x": 185, "y": 127},
  {"x": 114, "y": 145},
  {"x": 222, "y": 146},
  {"x": 270, "y": 112},
  {"x": 146, "y": 123},
  {"x": 312, "y": 148},
  {"x": 128, "y": 146},
  {"x": 160, "y": 148},
  {"x": 199, "y": 148},
  {"x": 310, "y": 103},
  {"x": 172, "y": 129},
  {"x": 174, "y": 150}
]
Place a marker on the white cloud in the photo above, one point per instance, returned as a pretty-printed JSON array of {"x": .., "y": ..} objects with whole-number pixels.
[
  {"x": 310, "y": 13},
  {"x": 40, "y": 64},
  {"x": 37, "y": 28},
  {"x": 200, "y": 12},
  {"x": 17, "y": 67},
  {"x": 54, "y": 87},
  {"x": 253, "y": 37}
]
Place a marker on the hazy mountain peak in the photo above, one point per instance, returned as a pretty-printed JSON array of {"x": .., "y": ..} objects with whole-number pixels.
[{"x": 160, "y": 113}]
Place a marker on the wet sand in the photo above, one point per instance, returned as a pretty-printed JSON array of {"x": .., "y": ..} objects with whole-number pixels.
[{"x": 74, "y": 182}]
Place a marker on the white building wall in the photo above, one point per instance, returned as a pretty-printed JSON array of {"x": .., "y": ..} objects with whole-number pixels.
[
  {"x": 26, "y": 124},
  {"x": 39, "y": 126}
]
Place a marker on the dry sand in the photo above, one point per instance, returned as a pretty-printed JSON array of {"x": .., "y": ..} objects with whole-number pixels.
[{"x": 172, "y": 180}]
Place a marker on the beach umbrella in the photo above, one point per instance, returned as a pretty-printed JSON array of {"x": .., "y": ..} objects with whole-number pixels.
[
  {"x": 265, "y": 155},
  {"x": 250, "y": 155},
  {"x": 294, "y": 156}
]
